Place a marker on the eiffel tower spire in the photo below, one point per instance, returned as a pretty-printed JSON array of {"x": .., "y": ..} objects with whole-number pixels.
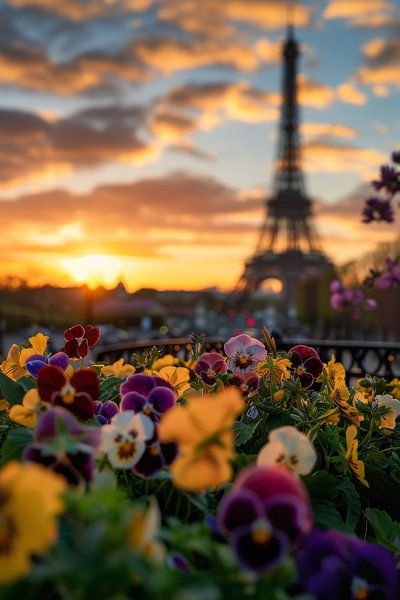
[{"x": 288, "y": 246}]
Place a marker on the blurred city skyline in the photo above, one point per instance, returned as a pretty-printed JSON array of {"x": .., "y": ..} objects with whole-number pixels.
[{"x": 138, "y": 136}]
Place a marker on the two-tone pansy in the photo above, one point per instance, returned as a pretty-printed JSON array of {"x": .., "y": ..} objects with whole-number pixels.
[
  {"x": 124, "y": 439},
  {"x": 244, "y": 353},
  {"x": 36, "y": 361},
  {"x": 76, "y": 394},
  {"x": 306, "y": 363},
  {"x": 209, "y": 366},
  {"x": 289, "y": 448},
  {"x": 264, "y": 515}
]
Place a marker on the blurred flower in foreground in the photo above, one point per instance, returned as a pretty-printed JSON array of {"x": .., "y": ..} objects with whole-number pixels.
[
  {"x": 209, "y": 366},
  {"x": 30, "y": 500},
  {"x": 105, "y": 411},
  {"x": 289, "y": 448},
  {"x": 78, "y": 340},
  {"x": 264, "y": 515},
  {"x": 355, "y": 464},
  {"x": 143, "y": 532},
  {"x": 389, "y": 277},
  {"x": 335, "y": 565},
  {"x": 76, "y": 394},
  {"x": 118, "y": 369},
  {"x": 307, "y": 364},
  {"x": 156, "y": 456},
  {"x": 203, "y": 432},
  {"x": 342, "y": 298},
  {"x": 123, "y": 440},
  {"x": 376, "y": 209},
  {"x": 147, "y": 394},
  {"x": 14, "y": 365},
  {"x": 62, "y": 444},
  {"x": 244, "y": 353}
]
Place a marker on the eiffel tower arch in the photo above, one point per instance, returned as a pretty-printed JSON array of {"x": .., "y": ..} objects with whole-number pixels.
[{"x": 288, "y": 247}]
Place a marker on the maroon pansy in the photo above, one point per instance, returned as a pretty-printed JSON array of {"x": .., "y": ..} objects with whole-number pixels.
[
  {"x": 64, "y": 446},
  {"x": 209, "y": 366},
  {"x": 307, "y": 364},
  {"x": 148, "y": 394},
  {"x": 78, "y": 340},
  {"x": 248, "y": 383},
  {"x": 76, "y": 394}
]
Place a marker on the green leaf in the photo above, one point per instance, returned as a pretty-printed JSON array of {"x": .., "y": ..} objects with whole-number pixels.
[
  {"x": 244, "y": 432},
  {"x": 15, "y": 444},
  {"x": 386, "y": 530},
  {"x": 10, "y": 390},
  {"x": 327, "y": 516},
  {"x": 109, "y": 388},
  {"x": 352, "y": 502},
  {"x": 322, "y": 485}
]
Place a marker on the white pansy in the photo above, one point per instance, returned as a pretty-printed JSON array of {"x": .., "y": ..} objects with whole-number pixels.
[
  {"x": 124, "y": 439},
  {"x": 290, "y": 448},
  {"x": 388, "y": 421}
]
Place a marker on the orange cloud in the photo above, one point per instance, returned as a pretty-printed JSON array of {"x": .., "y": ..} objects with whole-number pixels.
[
  {"x": 382, "y": 66},
  {"x": 350, "y": 93},
  {"x": 312, "y": 93},
  {"x": 328, "y": 130},
  {"x": 359, "y": 12},
  {"x": 332, "y": 157},
  {"x": 80, "y": 10}
]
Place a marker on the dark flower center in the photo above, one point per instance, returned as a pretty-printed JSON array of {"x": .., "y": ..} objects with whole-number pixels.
[
  {"x": 261, "y": 531},
  {"x": 126, "y": 450},
  {"x": 300, "y": 370},
  {"x": 359, "y": 589}
]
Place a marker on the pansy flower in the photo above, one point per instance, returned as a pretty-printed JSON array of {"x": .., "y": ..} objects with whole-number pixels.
[
  {"x": 118, "y": 369},
  {"x": 263, "y": 516},
  {"x": 248, "y": 383},
  {"x": 26, "y": 413},
  {"x": 244, "y": 353},
  {"x": 152, "y": 396},
  {"x": 177, "y": 377},
  {"x": 76, "y": 394},
  {"x": 209, "y": 366},
  {"x": 31, "y": 500},
  {"x": 143, "y": 532},
  {"x": 335, "y": 565},
  {"x": 62, "y": 444},
  {"x": 355, "y": 464},
  {"x": 289, "y": 448},
  {"x": 14, "y": 365},
  {"x": 105, "y": 411},
  {"x": 123, "y": 440},
  {"x": 307, "y": 364},
  {"x": 203, "y": 431},
  {"x": 78, "y": 340},
  {"x": 156, "y": 456},
  {"x": 37, "y": 361},
  {"x": 388, "y": 421}
]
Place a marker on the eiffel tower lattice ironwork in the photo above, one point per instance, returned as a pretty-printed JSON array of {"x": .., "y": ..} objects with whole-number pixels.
[{"x": 288, "y": 247}]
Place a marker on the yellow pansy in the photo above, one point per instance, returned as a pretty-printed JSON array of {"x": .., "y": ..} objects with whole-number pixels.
[
  {"x": 14, "y": 365},
  {"x": 395, "y": 391},
  {"x": 4, "y": 405},
  {"x": 26, "y": 414},
  {"x": 355, "y": 464},
  {"x": 178, "y": 377},
  {"x": 118, "y": 369},
  {"x": 165, "y": 361},
  {"x": 335, "y": 374},
  {"x": 331, "y": 416},
  {"x": 203, "y": 430},
  {"x": 341, "y": 397},
  {"x": 31, "y": 499},
  {"x": 143, "y": 531},
  {"x": 275, "y": 367}
]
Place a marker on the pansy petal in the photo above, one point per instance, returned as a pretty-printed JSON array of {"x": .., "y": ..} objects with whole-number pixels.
[
  {"x": 83, "y": 348},
  {"x": 239, "y": 508},
  {"x": 77, "y": 331},
  {"x": 92, "y": 334},
  {"x": 33, "y": 365},
  {"x": 257, "y": 555},
  {"x": 60, "y": 359},
  {"x": 314, "y": 366},
  {"x": 51, "y": 379},
  {"x": 132, "y": 401},
  {"x": 108, "y": 409},
  {"x": 139, "y": 383},
  {"x": 85, "y": 380},
  {"x": 162, "y": 399},
  {"x": 71, "y": 348},
  {"x": 126, "y": 454},
  {"x": 306, "y": 380},
  {"x": 290, "y": 515}
]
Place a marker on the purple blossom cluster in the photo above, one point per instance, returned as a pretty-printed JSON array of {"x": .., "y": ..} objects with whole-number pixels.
[
  {"x": 354, "y": 298},
  {"x": 381, "y": 208}
]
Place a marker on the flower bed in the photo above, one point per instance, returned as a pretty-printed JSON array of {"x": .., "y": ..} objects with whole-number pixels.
[{"x": 253, "y": 473}]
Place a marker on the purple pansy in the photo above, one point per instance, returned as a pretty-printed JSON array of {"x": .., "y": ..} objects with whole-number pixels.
[
  {"x": 37, "y": 361},
  {"x": 389, "y": 180},
  {"x": 262, "y": 531},
  {"x": 155, "y": 457},
  {"x": 376, "y": 209},
  {"x": 244, "y": 353},
  {"x": 209, "y": 366},
  {"x": 64, "y": 445},
  {"x": 104, "y": 411},
  {"x": 148, "y": 394},
  {"x": 307, "y": 364},
  {"x": 334, "y": 565}
]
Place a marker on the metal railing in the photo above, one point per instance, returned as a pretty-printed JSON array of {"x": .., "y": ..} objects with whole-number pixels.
[{"x": 358, "y": 357}]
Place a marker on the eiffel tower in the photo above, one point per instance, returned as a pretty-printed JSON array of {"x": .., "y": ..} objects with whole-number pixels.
[{"x": 288, "y": 248}]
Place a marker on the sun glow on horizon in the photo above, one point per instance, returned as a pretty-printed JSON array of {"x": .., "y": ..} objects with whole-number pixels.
[{"x": 93, "y": 269}]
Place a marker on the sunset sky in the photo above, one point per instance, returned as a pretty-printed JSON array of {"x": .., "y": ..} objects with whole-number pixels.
[{"x": 137, "y": 137}]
